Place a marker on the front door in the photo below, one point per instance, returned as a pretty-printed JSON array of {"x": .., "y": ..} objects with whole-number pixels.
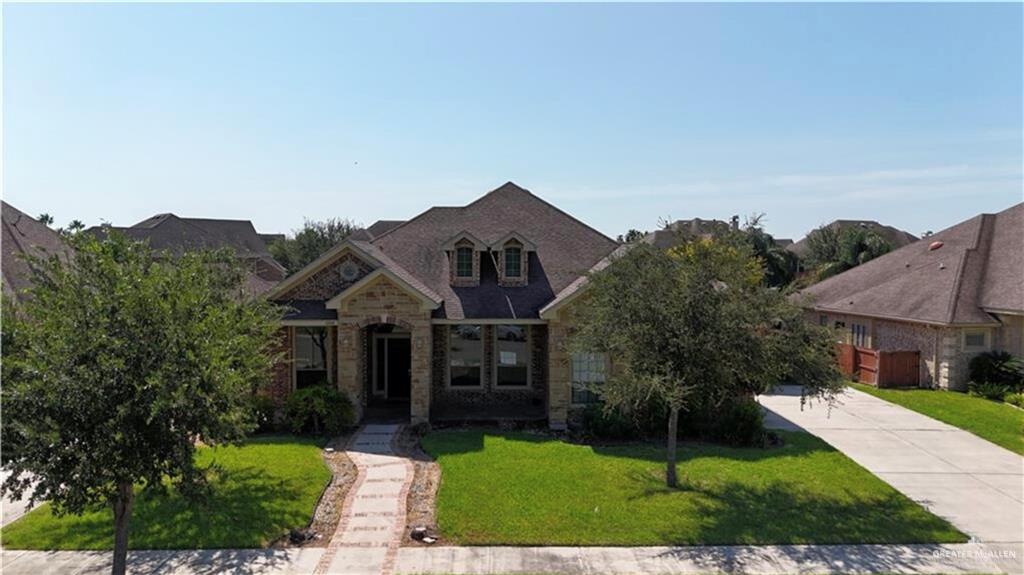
[{"x": 399, "y": 362}]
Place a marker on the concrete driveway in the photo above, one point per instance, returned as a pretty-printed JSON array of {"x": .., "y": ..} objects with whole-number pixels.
[
  {"x": 976, "y": 485},
  {"x": 11, "y": 509}
]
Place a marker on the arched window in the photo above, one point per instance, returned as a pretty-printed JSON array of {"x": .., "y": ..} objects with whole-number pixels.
[{"x": 513, "y": 261}]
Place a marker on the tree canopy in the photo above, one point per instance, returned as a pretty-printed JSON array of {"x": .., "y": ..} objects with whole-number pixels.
[
  {"x": 117, "y": 363},
  {"x": 694, "y": 327},
  {"x": 834, "y": 250},
  {"x": 310, "y": 242}
]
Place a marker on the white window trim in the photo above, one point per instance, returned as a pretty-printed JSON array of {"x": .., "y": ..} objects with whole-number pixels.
[
  {"x": 985, "y": 333},
  {"x": 529, "y": 359},
  {"x": 448, "y": 363},
  {"x": 572, "y": 379}
]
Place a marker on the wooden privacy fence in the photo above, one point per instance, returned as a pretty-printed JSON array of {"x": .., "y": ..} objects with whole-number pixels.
[{"x": 880, "y": 368}]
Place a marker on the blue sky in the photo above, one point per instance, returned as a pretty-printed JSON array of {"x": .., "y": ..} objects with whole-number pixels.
[{"x": 619, "y": 114}]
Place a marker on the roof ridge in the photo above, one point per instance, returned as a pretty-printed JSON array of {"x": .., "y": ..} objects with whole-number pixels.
[
  {"x": 550, "y": 205},
  {"x": 414, "y": 218},
  {"x": 976, "y": 248}
]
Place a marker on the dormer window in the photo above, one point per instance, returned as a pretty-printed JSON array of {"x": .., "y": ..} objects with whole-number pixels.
[
  {"x": 511, "y": 258},
  {"x": 464, "y": 262},
  {"x": 463, "y": 252},
  {"x": 513, "y": 261}
]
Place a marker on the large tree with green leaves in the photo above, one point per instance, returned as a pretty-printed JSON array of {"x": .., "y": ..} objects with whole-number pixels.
[
  {"x": 117, "y": 364},
  {"x": 834, "y": 250},
  {"x": 696, "y": 327},
  {"x": 310, "y": 242}
]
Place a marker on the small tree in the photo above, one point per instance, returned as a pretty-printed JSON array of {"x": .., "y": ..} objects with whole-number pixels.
[
  {"x": 696, "y": 326},
  {"x": 309, "y": 243},
  {"x": 116, "y": 364}
]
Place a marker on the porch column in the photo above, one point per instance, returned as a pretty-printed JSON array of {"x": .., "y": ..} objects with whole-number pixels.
[
  {"x": 349, "y": 381},
  {"x": 419, "y": 392}
]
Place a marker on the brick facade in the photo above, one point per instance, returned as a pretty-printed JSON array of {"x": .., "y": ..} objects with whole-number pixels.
[
  {"x": 281, "y": 376},
  {"x": 328, "y": 282},
  {"x": 489, "y": 395},
  {"x": 943, "y": 359},
  {"x": 471, "y": 281}
]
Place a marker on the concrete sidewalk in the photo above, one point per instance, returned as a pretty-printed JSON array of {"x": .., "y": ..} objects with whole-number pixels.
[{"x": 760, "y": 560}]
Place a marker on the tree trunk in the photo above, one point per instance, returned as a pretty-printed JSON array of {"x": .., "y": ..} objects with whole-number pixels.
[
  {"x": 673, "y": 431},
  {"x": 122, "y": 513}
]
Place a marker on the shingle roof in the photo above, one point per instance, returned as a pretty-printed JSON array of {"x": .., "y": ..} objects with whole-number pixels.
[
  {"x": 381, "y": 227},
  {"x": 24, "y": 235},
  {"x": 896, "y": 237},
  {"x": 566, "y": 249},
  {"x": 979, "y": 267}
]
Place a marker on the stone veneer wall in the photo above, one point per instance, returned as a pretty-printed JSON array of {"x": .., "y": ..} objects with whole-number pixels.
[
  {"x": 559, "y": 377},
  {"x": 488, "y": 394},
  {"x": 456, "y": 281},
  {"x": 384, "y": 302},
  {"x": 524, "y": 262}
]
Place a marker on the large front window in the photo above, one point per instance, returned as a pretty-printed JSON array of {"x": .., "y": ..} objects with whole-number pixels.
[
  {"x": 589, "y": 371},
  {"x": 310, "y": 356},
  {"x": 464, "y": 262},
  {"x": 465, "y": 356},
  {"x": 512, "y": 356}
]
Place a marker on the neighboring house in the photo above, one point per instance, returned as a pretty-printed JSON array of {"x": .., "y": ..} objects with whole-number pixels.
[
  {"x": 896, "y": 237},
  {"x": 454, "y": 314},
  {"x": 175, "y": 235},
  {"x": 696, "y": 228},
  {"x": 24, "y": 236},
  {"x": 958, "y": 293}
]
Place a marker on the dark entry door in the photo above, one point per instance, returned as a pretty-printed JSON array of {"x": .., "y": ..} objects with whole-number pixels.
[{"x": 399, "y": 361}]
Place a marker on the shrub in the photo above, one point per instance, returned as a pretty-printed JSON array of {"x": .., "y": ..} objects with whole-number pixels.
[
  {"x": 1015, "y": 399},
  {"x": 997, "y": 367},
  {"x": 599, "y": 423},
  {"x": 318, "y": 409},
  {"x": 264, "y": 412},
  {"x": 740, "y": 424},
  {"x": 988, "y": 390}
]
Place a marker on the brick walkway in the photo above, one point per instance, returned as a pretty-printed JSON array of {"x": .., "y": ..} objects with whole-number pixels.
[{"x": 373, "y": 515}]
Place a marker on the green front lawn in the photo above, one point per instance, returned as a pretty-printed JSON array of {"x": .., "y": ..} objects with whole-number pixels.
[
  {"x": 520, "y": 489},
  {"x": 999, "y": 423},
  {"x": 265, "y": 487}
]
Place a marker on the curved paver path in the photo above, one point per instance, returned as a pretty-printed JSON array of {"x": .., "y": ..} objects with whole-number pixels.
[
  {"x": 975, "y": 484},
  {"x": 372, "y": 520}
]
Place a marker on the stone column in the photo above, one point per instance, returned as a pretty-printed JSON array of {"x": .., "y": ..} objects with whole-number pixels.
[
  {"x": 559, "y": 384},
  {"x": 421, "y": 349},
  {"x": 349, "y": 381}
]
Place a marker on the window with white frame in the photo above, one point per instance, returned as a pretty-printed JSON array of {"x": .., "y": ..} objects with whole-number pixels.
[
  {"x": 975, "y": 339},
  {"x": 859, "y": 334},
  {"x": 511, "y": 356},
  {"x": 589, "y": 370},
  {"x": 465, "y": 356},
  {"x": 310, "y": 356},
  {"x": 464, "y": 262}
]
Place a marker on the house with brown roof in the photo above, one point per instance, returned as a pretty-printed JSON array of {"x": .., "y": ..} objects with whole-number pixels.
[
  {"x": 453, "y": 314},
  {"x": 950, "y": 297},
  {"x": 173, "y": 235},
  {"x": 895, "y": 237},
  {"x": 24, "y": 237}
]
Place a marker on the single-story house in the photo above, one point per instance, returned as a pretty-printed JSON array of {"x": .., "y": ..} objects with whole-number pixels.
[
  {"x": 948, "y": 297},
  {"x": 457, "y": 313},
  {"x": 171, "y": 234}
]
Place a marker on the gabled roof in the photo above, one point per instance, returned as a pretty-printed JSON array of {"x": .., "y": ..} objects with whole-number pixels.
[
  {"x": 23, "y": 236},
  {"x": 365, "y": 251},
  {"x": 381, "y": 227},
  {"x": 977, "y": 268},
  {"x": 565, "y": 249},
  {"x": 896, "y": 237}
]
